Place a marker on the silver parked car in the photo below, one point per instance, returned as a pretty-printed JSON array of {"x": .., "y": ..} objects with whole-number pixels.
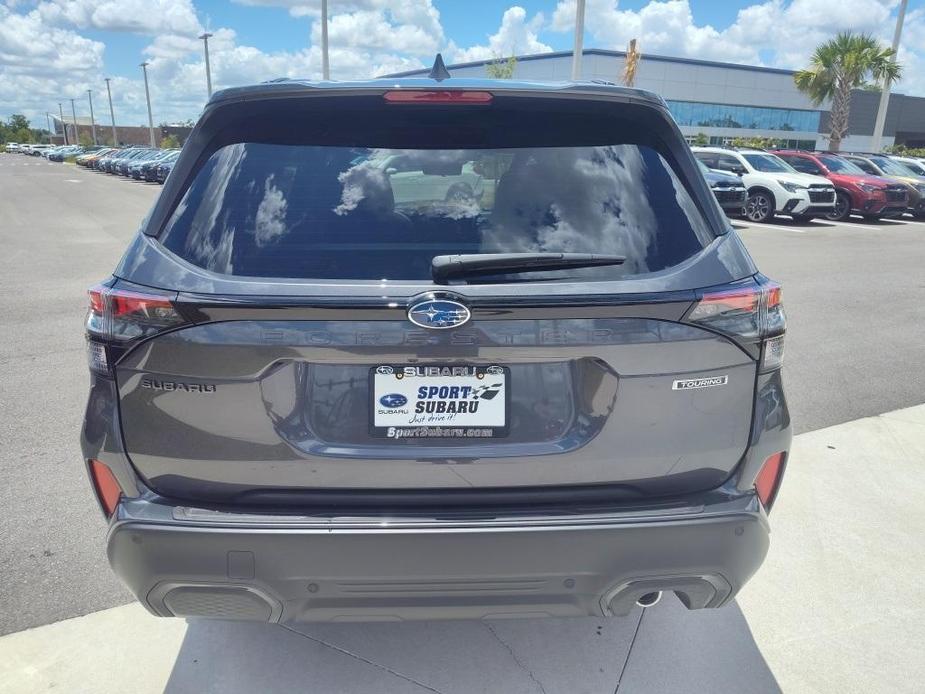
[{"x": 314, "y": 398}]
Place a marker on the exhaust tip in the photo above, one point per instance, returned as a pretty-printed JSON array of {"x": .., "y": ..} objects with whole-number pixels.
[{"x": 649, "y": 599}]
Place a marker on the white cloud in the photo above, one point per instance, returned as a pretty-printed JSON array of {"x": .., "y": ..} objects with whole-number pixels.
[
  {"x": 377, "y": 30},
  {"x": 788, "y": 31},
  {"x": 44, "y": 57},
  {"x": 40, "y": 64},
  {"x": 138, "y": 16},
  {"x": 516, "y": 36}
]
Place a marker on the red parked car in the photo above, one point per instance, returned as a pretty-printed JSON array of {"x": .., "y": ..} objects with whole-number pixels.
[{"x": 856, "y": 192}]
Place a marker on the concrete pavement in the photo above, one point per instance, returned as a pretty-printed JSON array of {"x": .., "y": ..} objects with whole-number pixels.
[
  {"x": 837, "y": 607},
  {"x": 853, "y": 296}
]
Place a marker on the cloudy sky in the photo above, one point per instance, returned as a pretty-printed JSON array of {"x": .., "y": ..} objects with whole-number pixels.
[{"x": 52, "y": 50}]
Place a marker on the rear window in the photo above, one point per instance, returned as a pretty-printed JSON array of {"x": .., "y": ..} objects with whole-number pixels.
[
  {"x": 767, "y": 163},
  {"x": 893, "y": 168},
  {"x": 338, "y": 212},
  {"x": 839, "y": 165}
]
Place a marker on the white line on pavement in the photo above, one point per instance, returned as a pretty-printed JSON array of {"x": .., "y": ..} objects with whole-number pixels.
[
  {"x": 850, "y": 224},
  {"x": 776, "y": 227},
  {"x": 816, "y": 225}
]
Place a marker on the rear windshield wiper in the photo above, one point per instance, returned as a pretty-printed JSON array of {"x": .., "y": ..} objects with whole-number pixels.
[{"x": 444, "y": 267}]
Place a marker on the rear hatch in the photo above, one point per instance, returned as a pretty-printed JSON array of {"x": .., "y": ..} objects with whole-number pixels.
[{"x": 279, "y": 333}]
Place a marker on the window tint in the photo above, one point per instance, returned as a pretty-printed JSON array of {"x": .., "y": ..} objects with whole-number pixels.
[
  {"x": 839, "y": 165},
  {"x": 915, "y": 167},
  {"x": 893, "y": 168},
  {"x": 802, "y": 165},
  {"x": 727, "y": 162},
  {"x": 708, "y": 158},
  {"x": 865, "y": 166},
  {"x": 263, "y": 210},
  {"x": 767, "y": 163}
]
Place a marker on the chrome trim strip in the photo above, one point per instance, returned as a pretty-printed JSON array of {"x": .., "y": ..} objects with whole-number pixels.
[{"x": 201, "y": 516}]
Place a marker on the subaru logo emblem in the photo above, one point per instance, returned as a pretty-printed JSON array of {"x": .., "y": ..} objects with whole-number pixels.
[
  {"x": 438, "y": 314},
  {"x": 393, "y": 400}
]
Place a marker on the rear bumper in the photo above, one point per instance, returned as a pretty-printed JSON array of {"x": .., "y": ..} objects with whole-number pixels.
[{"x": 192, "y": 563}]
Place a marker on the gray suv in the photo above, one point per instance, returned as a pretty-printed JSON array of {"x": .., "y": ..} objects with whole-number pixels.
[{"x": 312, "y": 399}]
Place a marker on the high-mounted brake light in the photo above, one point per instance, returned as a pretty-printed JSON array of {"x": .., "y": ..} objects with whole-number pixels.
[
  {"x": 443, "y": 96},
  {"x": 769, "y": 477}
]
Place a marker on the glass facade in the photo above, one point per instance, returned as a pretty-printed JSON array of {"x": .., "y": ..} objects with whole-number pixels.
[
  {"x": 696, "y": 114},
  {"x": 782, "y": 142}
]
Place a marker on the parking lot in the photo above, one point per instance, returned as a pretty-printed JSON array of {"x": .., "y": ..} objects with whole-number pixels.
[{"x": 833, "y": 609}]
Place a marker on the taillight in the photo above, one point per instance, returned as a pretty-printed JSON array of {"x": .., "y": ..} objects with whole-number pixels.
[
  {"x": 442, "y": 96},
  {"x": 769, "y": 477},
  {"x": 753, "y": 313},
  {"x": 118, "y": 316},
  {"x": 106, "y": 487}
]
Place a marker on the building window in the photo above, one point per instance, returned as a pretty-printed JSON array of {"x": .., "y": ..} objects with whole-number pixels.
[
  {"x": 744, "y": 117},
  {"x": 782, "y": 143}
]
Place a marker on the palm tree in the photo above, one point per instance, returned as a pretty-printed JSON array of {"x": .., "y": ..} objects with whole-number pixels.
[{"x": 840, "y": 65}]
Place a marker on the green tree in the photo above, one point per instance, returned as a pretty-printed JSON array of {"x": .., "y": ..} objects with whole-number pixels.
[
  {"x": 21, "y": 135},
  {"x": 839, "y": 65},
  {"x": 85, "y": 140},
  {"x": 701, "y": 140},
  {"x": 17, "y": 129},
  {"x": 501, "y": 68},
  {"x": 18, "y": 122},
  {"x": 170, "y": 142}
]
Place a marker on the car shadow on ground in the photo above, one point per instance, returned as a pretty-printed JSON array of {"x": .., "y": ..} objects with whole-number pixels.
[{"x": 663, "y": 649}]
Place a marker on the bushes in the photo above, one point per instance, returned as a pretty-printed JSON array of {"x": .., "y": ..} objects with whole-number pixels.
[
  {"x": 758, "y": 142},
  {"x": 902, "y": 150}
]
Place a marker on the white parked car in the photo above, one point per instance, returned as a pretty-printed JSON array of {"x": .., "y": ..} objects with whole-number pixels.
[
  {"x": 12, "y": 146},
  {"x": 774, "y": 187},
  {"x": 917, "y": 166},
  {"x": 413, "y": 183}
]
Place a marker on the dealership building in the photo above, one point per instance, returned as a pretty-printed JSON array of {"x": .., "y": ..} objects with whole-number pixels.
[
  {"x": 81, "y": 128},
  {"x": 725, "y": 101}
]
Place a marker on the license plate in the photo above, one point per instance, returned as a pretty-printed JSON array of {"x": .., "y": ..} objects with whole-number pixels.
[{"x": 439, "y": 401}]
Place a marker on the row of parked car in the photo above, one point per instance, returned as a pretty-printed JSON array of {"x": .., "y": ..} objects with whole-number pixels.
[
  {"x": 760, "y": 184},
  {"x": 50, "y": 152},
  {"x": 28, "y": 148},
  {"x": 140, "y": 163}
]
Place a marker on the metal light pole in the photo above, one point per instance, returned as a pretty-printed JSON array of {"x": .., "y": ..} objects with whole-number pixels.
[
  {"x": 63, "y": 124},
  {"x": 48, "y": 122},
  {"x": 76, "y": 129},
  {"x": 325, "y": 65},
  {"x": 205, "y": 41},
  {"x": 112, "y": 114},
  {"x": 144, "y": 69},
  {"x": 92, "y": 122},
  {"x": 578, "y": 46},
  {"x": 885, "y": 92}
]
